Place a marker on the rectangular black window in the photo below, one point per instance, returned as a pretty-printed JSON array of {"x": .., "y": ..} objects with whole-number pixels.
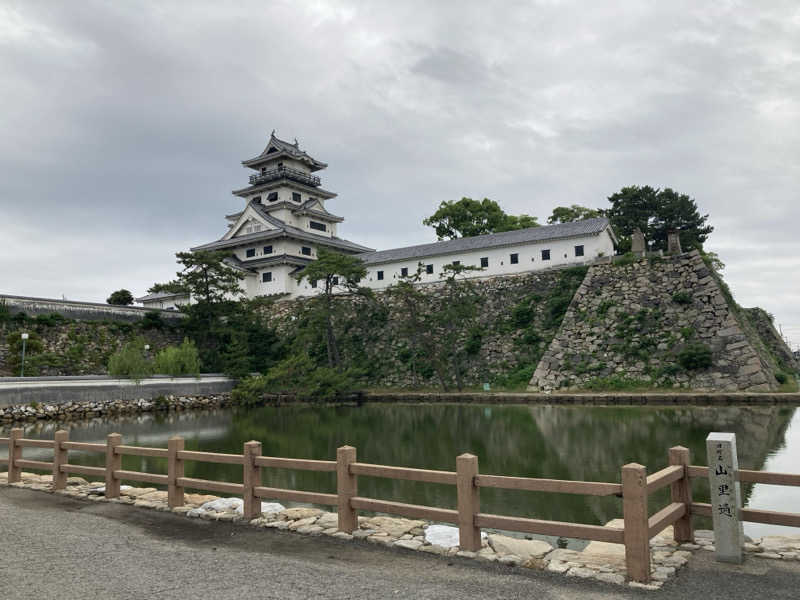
[
  {"x": 545, "y": 254},
  {"x": 404, "y": 272},
  {"x": 456, "y": 263},
  {"x": 514, "y": 259},
  {"x": 267, "y": 249},
  {"x": 485, "y": 262},
  {"x": 266, "y": 277},
  {"x": 295, "y": 196},
  {"x": 380, "y": 275},
  {"x": 251, "y": 252},
  {"x": 579, "y": 250},
  {"x": 305, "y": 250},
  {"x": 335, "y": 281},
  {"x": 317, "y": 226},
  {"x": 313, "y": 284},
  {"x": 272, "y": 196},
  {"x": 257, "y": 199},
  {"x": 429, "y": 269}
]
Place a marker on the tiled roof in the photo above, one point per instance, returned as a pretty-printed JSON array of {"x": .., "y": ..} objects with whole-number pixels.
[
  {"x": 285, "y": 147},
  {"x": 491, "y": 240},
  {"x": 160, "y": 296},
  {"x": 280, "y": 230}
]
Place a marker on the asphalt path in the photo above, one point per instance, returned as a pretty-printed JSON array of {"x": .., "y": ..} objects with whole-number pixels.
[{"x": 58, "y": 547}]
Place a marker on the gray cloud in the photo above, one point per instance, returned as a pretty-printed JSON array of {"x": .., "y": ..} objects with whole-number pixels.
[{"x": 122, "y": 124}]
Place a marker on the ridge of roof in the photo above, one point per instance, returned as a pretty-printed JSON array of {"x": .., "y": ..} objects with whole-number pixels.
[{"x": 592, "y": 226}]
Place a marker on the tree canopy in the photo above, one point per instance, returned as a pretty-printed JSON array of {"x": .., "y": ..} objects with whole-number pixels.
[
  {"x": 120, "y": 298},
  {"x": 336, "y": 272},
  {"x": 575, "y": 212},
  {"x": 205, "y": 276},
  {"x": 468, "y": 217},
  {"x": 656, "y": 212}
]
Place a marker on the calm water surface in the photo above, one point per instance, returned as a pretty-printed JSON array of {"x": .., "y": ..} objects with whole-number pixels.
[{"x": 581, "y": 443}]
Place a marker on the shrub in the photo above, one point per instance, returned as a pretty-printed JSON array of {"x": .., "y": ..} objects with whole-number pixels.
[
  {"x": 300, "y": 375},
  {"x": 236, "y": 358},
  {"x": 130, "y": 362},
  {"x": 152, "y": 320},
  {"x": 179, "y": 360},
  {"x": 50, "y": 320},
  {"x": 682, "y": 298},
  {"x": 626, "y": 259},
  {"x": 695, "y": 356},
  {"x": 781, "y": 377},
  {"x": 522, "y": 314}
]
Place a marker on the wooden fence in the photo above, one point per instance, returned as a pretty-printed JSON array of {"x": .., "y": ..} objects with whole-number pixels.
[{"x": 635, "y": 489}]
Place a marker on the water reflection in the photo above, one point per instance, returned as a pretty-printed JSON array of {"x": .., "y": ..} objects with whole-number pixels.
[{"x": 584, "y": 443}]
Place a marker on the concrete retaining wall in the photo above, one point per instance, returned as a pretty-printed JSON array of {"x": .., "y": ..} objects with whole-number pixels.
[
  {"x": 54, "y": 390},
  {"x": 82, "y": 311}
]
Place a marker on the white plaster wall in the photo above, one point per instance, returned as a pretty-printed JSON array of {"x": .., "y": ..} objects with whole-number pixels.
[{"x": 562, "y": 252}]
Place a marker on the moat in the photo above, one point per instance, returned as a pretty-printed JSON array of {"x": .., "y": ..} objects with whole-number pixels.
[{"x": 560, "y": 442}]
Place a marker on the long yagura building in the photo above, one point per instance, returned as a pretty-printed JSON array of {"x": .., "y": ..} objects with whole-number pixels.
[{"x": 284, "y": 221}]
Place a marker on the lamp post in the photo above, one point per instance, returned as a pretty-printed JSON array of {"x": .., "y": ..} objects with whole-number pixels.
[{"x": 24, "y": 337}]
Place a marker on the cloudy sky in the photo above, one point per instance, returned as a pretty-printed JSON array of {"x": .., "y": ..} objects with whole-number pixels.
[{"x": 123, "y": 124}]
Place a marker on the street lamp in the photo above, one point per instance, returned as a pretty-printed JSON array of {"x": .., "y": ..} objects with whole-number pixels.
[{"x": 24, "y": 337}]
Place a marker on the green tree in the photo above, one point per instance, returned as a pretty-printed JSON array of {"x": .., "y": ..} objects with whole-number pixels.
[
  {"x": 575, "y": 212},
  {"x": 130, "y": 361},
  {"x": 237, "y": 356},
  {"x": 206, "y": 276},
  {"x": 468, "y": 217},
  {"x": 338, "y": 273},
  {"x": 215, "y": 287},
  {"x": 438, "y": 327},
  {"x": 656, "y": 212},
  {"x": 178, "y": 360},
  {"x": 120, "y": 298}
]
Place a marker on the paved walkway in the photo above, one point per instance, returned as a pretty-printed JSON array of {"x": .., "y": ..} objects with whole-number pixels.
[{"x": 57, "y": 547}]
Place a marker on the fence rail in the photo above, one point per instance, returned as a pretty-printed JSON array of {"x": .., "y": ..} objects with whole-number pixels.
[{"x": 635, "y": 489}]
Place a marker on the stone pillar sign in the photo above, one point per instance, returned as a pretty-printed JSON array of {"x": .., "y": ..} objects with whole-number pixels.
[
  {"x": 638, "y": 245},
  {"x": 726, "y": 501},
  {"x": 674, "y": 242}
]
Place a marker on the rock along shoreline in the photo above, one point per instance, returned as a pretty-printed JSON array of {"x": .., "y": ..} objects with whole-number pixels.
[{"x": 600, "y": 561}]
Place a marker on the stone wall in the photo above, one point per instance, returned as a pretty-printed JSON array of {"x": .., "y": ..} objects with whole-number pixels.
[
  {"x": 84, "y": 311},
  {"x": 634, "y": 323},
  {"x": 518, "y": 316},
  {"x": 75, "y": 347}
]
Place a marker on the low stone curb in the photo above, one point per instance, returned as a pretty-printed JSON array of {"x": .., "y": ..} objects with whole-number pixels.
[{"x": 600, "y": 561}]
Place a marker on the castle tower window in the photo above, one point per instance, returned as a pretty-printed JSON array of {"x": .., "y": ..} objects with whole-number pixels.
[
  {"x": 404, "y": 272},
  {"x": 579, "y": 250},
  {"x": 267, "y": 249},
  {"x": 456, "y": 263},
  {"x": 266, "y": 277},
  {"x": 296, "y": 196},
  {"x": 545, "y": 254},
  {"x": 251, "y": 252},
  {"x": 305, "y": 251},
  {"x": 429, "y": 269},
  {"x": 514, "y": 259},
  {"x": 380, "y": 275},
  {"x": 335, "y": 281},
  {"x": 484, "y": 262},
  {"x": 257, "y": 199},
  {"x": 272, "y": 196},
  {"x": 317, "y": 226}
]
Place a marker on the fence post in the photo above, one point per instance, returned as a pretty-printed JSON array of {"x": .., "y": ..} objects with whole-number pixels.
[
  {"x": 681, "y": 491},
  {"x": 113, "y": 463},
  {"x": 469, "y": 504},
  {"x": 634, "y": 511},
  {"x": 59, "y": 458},
  {"x": 726, "y": 499},
  {"x": 346, "y": 488},
  {"x": 251, "y": 479},
  {"x": 174, "y": 471},
  {"x": 14, "y": 454}
]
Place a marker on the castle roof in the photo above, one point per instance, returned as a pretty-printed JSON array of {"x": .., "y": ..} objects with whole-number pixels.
[
  {"x": 282, "y": 229},
  {"x": 278, "y": 148},
  {"x": 490, "y": 240}
]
